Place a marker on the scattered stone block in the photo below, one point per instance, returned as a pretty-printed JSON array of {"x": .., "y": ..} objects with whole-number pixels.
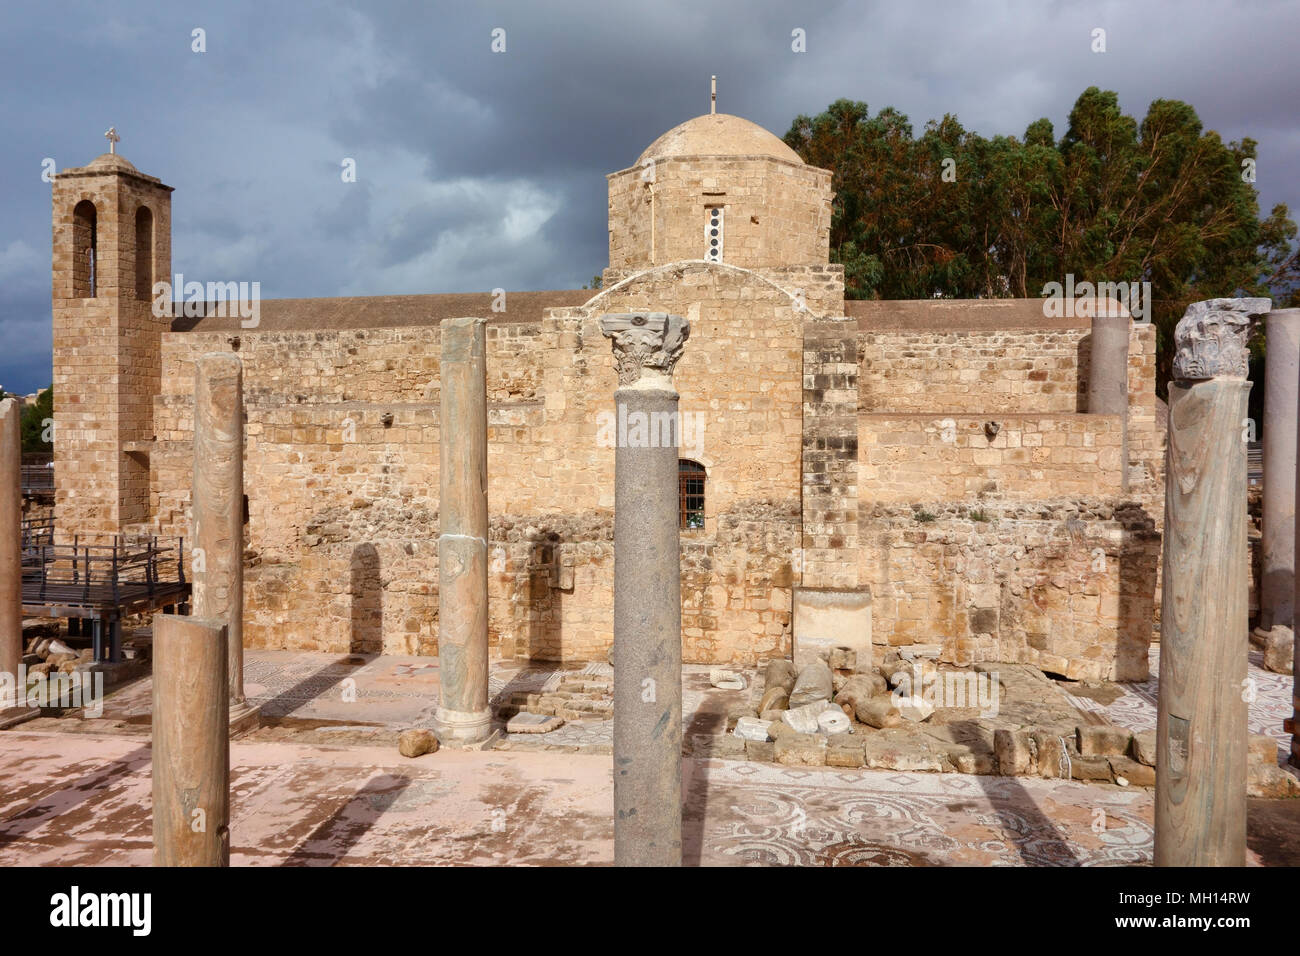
[
  {"x": 760, "y": 750},
  {"x": 801, "y": 750},
  {"x": 1134, "y": 773},
  {"x": 1270, "y": 780},
  {"x": 879, "y": 712},
  {"x": 416, "y": 743},
  {"x": 1279, "y": 649},
  {"x": 774, "y": 698},
  {"x": 752, "y": 728},
  {"x": 525, "y": 722},
  {"x": 1262, "y": 749},
  {"x": 726, "y": 680},
  {"x": 804, "y": 719},
  {"x": 1015, "y": 753},
  {"x": 833, "y": 721},
  {"x": 778, "y": 728},
  {"x": 723, "y": 746},
  {"x": 1101, "y": 740},
  {"x": 780, "y": 673},
  {"x": 921, "y": 652},
  {"x": 813, "y": 684},
  {"x": 859, "y": 689},
  {"x": 844, "y": 750},
  {"x": 1143, "y": 748},
  {"x": 965, "y": 760},
  {"x": 1089, "y": 767},
  {"x": 1052, "y": 752},
  {"x": 913, "y": 754},
  {"x": 914, "y": 708}
]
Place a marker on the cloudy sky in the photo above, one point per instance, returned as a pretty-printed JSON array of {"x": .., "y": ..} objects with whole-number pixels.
[{"x": 478, "y": 169}]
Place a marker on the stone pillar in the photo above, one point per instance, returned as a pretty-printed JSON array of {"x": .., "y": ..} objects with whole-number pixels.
[
  {"x": 647, "y": 592},
  {"x": 1108, "y": 371},
  {"x": 11, "y": 558},
  {"x": 191, "y": 743},
  {"x": 1200, "y": 813},
  {"x": 463, "y": 716},
  {"x": 1281, "y": 399},
  {"x": 218, "y": 506}
]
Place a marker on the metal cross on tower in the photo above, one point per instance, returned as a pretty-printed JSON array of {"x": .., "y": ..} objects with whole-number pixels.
[{"x": 113, "y": 139}]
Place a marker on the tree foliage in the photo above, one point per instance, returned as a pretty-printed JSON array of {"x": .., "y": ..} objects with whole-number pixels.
[{"x": 1113, "y": 200}]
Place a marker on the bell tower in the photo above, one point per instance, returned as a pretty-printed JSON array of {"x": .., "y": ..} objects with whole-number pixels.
[{"x": 112, "y": 242}]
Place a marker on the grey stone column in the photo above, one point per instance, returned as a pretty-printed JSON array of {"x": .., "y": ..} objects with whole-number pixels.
[
  {"x": 1200, "y": 815},
  {"x": 647, "y": 591},
  {"x": 1281, "y": 398},
  {"x": 191, "y": 742},
  {"x": 463, "y": 716},
  {"x": 218, "y": 509},
  {"x": 11, "y": 558},
  {"x": 1108, "y": 372}
]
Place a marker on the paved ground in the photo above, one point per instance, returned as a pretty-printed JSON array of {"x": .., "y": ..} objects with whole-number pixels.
[{"x": 322, "y": 784}]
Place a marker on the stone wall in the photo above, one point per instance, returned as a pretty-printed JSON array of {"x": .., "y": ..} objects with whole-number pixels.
[
  {"x": 1066, "y": 586},
  {"x": 913, "y": 458},
  {"x": 776, "y": 212}
]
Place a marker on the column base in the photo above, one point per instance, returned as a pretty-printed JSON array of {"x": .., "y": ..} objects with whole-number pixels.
[
  {"x": 244, "y": 718},
  {"x": 459, "y": 728},
  {"x": 20, "y": 714}
]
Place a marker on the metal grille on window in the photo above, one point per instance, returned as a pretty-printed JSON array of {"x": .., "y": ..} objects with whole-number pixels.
[
  {"x": 713, "y": 234},
  {"x": 690, "y": 485}
]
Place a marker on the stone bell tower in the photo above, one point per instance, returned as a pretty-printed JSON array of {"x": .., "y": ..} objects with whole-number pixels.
[{"x": 112, "y": 241}]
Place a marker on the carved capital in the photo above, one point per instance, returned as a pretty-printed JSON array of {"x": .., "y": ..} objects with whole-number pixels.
[
  {"x": 645, "y": 341},
  {"x": 1210, "y": 340}
]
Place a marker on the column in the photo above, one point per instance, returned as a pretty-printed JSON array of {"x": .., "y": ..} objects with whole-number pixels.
[
  {"x": 647, "y": 591},
  {"x": 1281, "y": 395},
  {"x": 463, "y": 716},
  {"x": 191, "y": 742},
  {"x": 218, "y": 507},
  {"x": 1108, "y": 370},
  {"x": 1200, "y": 813},
  {"x": 11, "y": 558}
]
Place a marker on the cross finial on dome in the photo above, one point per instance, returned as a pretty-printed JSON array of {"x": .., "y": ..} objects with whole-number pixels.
[
  {"x": 113, "y": 139},
  {"x": 713, "y": 94}
]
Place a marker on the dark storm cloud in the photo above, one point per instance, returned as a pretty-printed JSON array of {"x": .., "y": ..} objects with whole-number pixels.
[{"x": 479, "y": 170}]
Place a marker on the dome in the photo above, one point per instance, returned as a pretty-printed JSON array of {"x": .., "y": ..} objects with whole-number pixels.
[
  {"x": 111, "y": 161},
  {"x": 718, "y": 134}
]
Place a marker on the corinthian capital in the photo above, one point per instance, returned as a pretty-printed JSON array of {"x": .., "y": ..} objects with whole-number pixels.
[
  {"x": 645, "y": 342},
  {"x": 1210, "y": 340}
]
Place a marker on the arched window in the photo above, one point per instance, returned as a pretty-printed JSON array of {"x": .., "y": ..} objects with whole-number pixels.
[
  {"x": 143, "y": 253},
  {"x": 690, "y": 495},
  {"x": 83, "y": 250}
]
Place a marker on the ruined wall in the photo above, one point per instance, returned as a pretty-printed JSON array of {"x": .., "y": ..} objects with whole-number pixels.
[{"x": 1068, "y": 588}]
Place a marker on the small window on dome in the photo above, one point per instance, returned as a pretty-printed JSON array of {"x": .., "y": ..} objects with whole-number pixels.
[{"x": 713, "y": 233}]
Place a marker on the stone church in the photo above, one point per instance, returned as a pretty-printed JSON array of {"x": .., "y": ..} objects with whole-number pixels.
[{"x": 861, "y": 472}]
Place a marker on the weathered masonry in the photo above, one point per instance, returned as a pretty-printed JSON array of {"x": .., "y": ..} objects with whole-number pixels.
[{"x": 888, "y": 472}]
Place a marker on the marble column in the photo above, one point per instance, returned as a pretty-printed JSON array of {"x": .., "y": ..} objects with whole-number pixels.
[
  {"x": 463, "y": 716},
  {"x": 1200, "y": 813},
  {"x": 647, "y": 591},
  {"x": 1281, "y": 397},
  {"x": 217, "y": 558},
  {"x": 11, "y": 558},
  {"x": 191, "y": 742},
  {"x": 1108, "y": 371}
]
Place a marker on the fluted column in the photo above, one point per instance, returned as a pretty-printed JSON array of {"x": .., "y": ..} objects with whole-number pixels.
[{"x": 647, "y": 591}]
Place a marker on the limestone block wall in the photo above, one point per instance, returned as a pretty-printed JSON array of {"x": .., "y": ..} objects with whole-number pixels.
[
  {"x": 933, "y": 457},
  {"x": 341, "y": 473},
  {"x": 1067, "y": 587},
  {"x": 776, "y": 212}
]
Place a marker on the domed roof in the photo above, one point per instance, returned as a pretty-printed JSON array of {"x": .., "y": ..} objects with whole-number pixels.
[
  {"x": 718, "y": 134},
  {"x": 111, "y": 161}
]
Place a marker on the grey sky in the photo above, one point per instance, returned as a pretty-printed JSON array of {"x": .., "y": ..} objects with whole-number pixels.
[{"x": 479, "y": 169}]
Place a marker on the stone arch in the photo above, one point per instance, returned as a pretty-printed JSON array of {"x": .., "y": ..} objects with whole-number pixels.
[
  {"x": 597, "y": 302},
  {"x": 84, "y": 249},
  {"x": 144, "y": 253}
]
